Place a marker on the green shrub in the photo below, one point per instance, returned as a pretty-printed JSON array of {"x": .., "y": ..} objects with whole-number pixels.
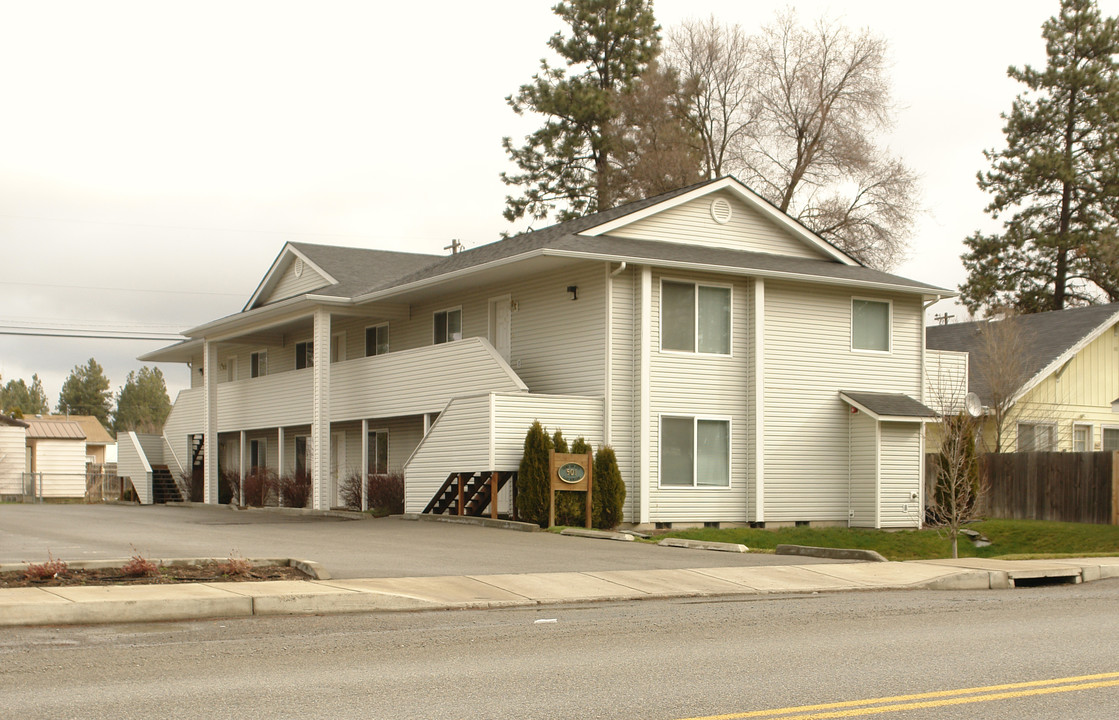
[
  {"x": 580, "y": 446},
  {"x": 558, "y": 443},
  {"x": 608, "y": 491},
  {"x": 532, "y": 477}
]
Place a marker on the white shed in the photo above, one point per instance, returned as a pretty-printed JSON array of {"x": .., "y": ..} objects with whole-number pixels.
[
  {"x": 13, "y": 453},
  {"x": 57, "y": 458}
]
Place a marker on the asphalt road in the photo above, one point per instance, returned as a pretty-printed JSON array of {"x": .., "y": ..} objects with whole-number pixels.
[
  {"x": 387, "y": 547},
  {"x": 914, "y": 655}
]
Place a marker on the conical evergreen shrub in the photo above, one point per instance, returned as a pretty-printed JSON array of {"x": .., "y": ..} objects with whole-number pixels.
[
  {"x": 609, "y": 494},
  {"x": 532, "y": 477}
]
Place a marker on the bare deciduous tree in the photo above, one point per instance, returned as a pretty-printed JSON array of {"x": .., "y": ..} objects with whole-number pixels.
[
  {"x": 1000, "y": 369},
  {"x": 795, "y": 117},
  {"x": 713, "y": 62}
]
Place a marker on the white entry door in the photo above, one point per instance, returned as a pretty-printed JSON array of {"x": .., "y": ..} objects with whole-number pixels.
[
  {"x": 337, "y": 465},
  {"x": 501, "y": 321}
]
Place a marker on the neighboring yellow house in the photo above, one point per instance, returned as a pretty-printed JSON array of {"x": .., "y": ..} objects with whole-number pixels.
[{"x": 1068, "y": 365}]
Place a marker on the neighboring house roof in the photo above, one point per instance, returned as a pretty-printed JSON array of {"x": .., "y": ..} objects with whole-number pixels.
[
  {"x": 95, "y": 432},
  {"x": 11, "y": 421},
  {"x": 54, "y": 430},
  {"x": 1051, "y": 339},
  {"x": 888, "y": 406}
]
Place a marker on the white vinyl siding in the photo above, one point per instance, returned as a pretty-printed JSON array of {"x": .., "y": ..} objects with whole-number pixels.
[
  {"x": 705, "y": 386},
  {"x": 134, "y": 463},
  {"x": 899, "y": 459},
  {"x": 808, "y": 361},
  {"x": 289, "y": 285},
  {"x": 13, "y": 443},
  {"x": 184, "y": 420},
  {"x": 623, "y": 385},
  {"x": 62, "y": 466},
  {"x": 864, "y": 470},
  {"x": 691, "y": 223}
]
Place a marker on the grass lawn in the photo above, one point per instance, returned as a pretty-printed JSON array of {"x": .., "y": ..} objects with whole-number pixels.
[{"x": 1009, "y": 538}]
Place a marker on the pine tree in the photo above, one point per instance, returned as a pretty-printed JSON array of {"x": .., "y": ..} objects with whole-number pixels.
[
  {"x": 532, "y": 476},
  {"x": 86, "y": 392},
  {"x": 566, "y": 165},
  {"x": 142, "y": 404},
  {"x": 16, "y": 397},
  {"x": 1057, "y": 178}
]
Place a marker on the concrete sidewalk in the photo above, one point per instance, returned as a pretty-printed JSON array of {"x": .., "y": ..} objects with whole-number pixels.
[{"x": 192, "y": 601}]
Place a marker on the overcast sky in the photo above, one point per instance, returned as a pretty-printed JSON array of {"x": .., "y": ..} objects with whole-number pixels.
[{"x": 155, "y": 156}]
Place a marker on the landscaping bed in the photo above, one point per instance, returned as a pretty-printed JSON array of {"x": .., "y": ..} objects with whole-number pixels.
[{"x": 139, "y": 571}]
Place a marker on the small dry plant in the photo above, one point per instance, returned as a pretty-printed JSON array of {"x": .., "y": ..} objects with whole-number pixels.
[
  {"x": 235, "y": 566},
  {"x": 139, "y": 566},
  {"x": 52, "y": 568}
]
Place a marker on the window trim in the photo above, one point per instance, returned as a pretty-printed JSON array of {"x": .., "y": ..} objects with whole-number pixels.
[
  {"x": 448, "y": 310},
  {"x": 1091, "y": 436},
  {"x": 1018, "y": 435},
  {"x": 696, "y": 284},
  {"x": 308, "y": 354},
  {"x": 695, "y": 418},
  {"x": 388, "y": 339},
  {"x": 889, "y": 325},
  {"x": 373, "y": 448},
  {"x": 254, "y": 359}
]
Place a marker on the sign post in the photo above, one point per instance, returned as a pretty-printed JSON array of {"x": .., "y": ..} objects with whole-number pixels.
[{"x": 568, "y": 472}]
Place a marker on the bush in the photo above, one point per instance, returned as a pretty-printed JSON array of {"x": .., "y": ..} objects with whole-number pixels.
[
  {"x": 295, "y": 490},
  {"x": 386, "y": 493},
  {"x": 260, "y": 487},
  {"x": 609, "y": 491},
  {"x": 235, "y": 567},
  {"x": 350, "y": 492},
  {"x": 52, "y": 568},
  {"x": 532, "y": 477},
  {"x": 139, "y": 566}
]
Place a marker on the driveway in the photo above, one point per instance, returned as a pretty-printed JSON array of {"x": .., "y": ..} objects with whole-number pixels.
[{"x": 386, "y": 547}]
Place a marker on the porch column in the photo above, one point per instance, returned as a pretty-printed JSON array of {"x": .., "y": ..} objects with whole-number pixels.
[
  {"x": 280, "y": 455},
  {"x": 210, "y": 423},
  {"x": 320, "y": 412},
  {"x": 242, "y": 466},
  {"x": 364, "y": 464}
]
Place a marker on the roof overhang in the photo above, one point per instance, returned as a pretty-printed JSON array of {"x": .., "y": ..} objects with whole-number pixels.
[
  {"x": 746, "y": 195},
  {"x": 864, "y": 407},
  {"x": 1065, "y": 357}
]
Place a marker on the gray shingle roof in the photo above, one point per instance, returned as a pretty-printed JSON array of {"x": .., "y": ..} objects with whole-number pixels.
[
  {"x": 1046, "y": 337},
  {"x": 11, "y": 421},
  {"x": 890, "y": 405},
  {"x": 358, "y": 269}
]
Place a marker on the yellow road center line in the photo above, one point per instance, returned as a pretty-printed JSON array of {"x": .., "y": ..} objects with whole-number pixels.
[{"x": 787, "y": 712}]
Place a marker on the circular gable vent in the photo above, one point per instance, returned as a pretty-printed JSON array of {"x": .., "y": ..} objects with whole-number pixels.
[
  {"x": 299, "y": 267},
  {"x": 721, "y": 210}
]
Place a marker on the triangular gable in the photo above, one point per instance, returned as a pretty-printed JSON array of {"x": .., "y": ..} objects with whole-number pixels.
[
  {"x": 724, "y": 214},
  {"x": 292, "y": 273}
]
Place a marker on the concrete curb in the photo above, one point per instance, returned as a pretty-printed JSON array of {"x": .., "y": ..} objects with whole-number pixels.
[
  {"x": 596, "y": 534},
  {"x": 700, "y": 545},
  {"x": 470, "y": 520},
  {"x": 308, "y": 567},
  {"x": 831, "y": 553}
]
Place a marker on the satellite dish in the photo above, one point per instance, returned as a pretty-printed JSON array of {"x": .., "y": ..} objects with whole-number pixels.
[{"x": 973, "y": 404}]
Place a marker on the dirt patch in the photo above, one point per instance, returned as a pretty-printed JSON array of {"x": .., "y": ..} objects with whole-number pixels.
[{"x": 165, "y": 575}]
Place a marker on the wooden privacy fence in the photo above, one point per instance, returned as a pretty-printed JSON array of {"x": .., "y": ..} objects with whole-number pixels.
[{"x": 1061, "y": 486}]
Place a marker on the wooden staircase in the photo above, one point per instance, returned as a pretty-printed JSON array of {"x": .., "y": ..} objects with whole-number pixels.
[
  {"x": 470, "y": 493},
  {"x": 164, "y": 488}
]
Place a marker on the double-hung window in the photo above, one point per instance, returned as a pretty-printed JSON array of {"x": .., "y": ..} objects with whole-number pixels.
[
  {"x": 1110, "y": 438},
  {"x": 378, "y": 452},
  {"x": 376, "y": 340},
  {"x": 1037, "y": 437},
  {"x": 258, "y": 364},
  {"x": 448, "y": 326},
  {"x": 695, "y": 452},
  {"x": 304, "y": 355},
  {"x": 870, "y": 325},
  {"x": 695, "y": 318}
]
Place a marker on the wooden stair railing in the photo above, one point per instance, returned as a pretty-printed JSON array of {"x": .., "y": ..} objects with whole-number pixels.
[{"x": 470, "y": 493}]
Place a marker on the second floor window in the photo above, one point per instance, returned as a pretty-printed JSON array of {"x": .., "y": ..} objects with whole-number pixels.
[
  {"x": 304, "y": 355},
  {"x": 695, "y": 318},
  {"x": 258, "y": 364},
  {"x": 448, "y": 326}
]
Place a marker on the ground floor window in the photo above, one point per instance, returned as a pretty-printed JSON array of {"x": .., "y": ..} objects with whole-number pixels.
[
  {"x": 1081, "y": 438},
  {"x": 1037, "y": 437},
  {"x": 258, "y": 454},
  {"x": 694, "y": 452},
  {"x": 378, "y": 452},
  {"x": 1111, "y": 438}
]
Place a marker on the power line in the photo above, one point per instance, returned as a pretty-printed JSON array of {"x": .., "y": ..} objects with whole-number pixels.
[
  {"x": 120, "y": 289},
  {"x": 89, "y": 334}
]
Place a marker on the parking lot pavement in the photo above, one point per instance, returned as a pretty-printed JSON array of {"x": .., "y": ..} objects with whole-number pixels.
[{"x": 366, "y": 548}]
